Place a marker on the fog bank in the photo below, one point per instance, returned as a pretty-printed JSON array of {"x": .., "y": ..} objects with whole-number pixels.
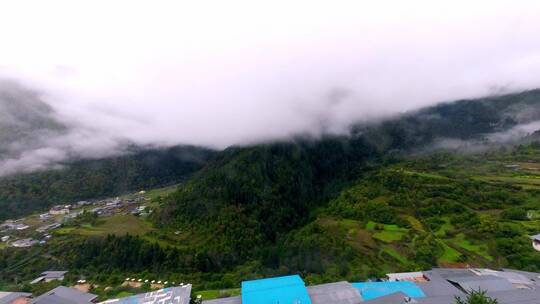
[{"x": 236, "y": 72}]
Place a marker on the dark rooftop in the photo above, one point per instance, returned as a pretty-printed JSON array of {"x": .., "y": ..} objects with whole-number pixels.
[
  {"x": 334, "y": 293},
  {"x": 64, "y": 295},
  {"x": 486, "y": 282}
]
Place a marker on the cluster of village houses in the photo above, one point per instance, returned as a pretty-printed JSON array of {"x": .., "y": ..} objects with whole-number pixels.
[
  {"x": 163, "y": 293},
  {"x": 22, "y": 233},
  {"x": 435, "y": 286}
]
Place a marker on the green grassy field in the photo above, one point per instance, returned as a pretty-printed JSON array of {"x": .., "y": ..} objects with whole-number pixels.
[
  {"x": 154, "y": 193},
  {"x": 415, "y": 223},
  {"x": 394, "y": 254},
  {"x": 425, "y": 175},
  {"x": 388, "y": 234},
  {"x": 445, "y": 228},
  {"x": 480, "y": 250},
  {"x": 450, "y": 255},
  {"x": 123, "y": 294},
  {"x": 117, "y": 224},
  {"x": 218, "y": 293}
]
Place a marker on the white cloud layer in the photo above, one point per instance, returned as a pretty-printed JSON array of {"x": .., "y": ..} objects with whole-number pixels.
[{"x": 218, "y": 73}]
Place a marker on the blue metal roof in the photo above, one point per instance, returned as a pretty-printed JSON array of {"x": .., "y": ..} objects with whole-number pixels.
[
  {"x": 373, "y": 290},
  {"x": 280, "y": 290}
]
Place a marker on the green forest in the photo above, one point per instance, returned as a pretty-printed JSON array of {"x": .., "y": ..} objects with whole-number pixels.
[
  {"x": 402, "y": 215},
  {"x": 383, "y": 199},
  {"x": 98, "y": 178}
]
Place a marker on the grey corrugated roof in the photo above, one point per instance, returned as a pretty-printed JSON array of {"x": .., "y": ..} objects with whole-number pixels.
[
  {"x": 394, "y": 298},
  {"x": 512, "y": 277},
  {"x": 439, "y": 288},
  {"x": 533, "y": 276},
  {"x": 518, "y": 296},
  {"x": 433, "y": 276},
  {"x": 450, "y": 272},
  {"x": 231, "y": 300},
  {"x": 54, "y": 299},
  {"x": 334, "y": 293},
  {"x": 64, "y": 295},
  {"x": 10, "y": 296},
  {"x": 53, "y": 274},
  {"x": 487, "y": 283},
  {"x": 447, "y": 299}
]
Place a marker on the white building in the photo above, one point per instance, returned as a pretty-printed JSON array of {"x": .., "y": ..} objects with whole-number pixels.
[
  {"x": 57, "y": 210},
  {"x": 24, "y": 243},
  {"x": 22, "y": 227},
  {"x": 44, "y": 216},
  {"x": 536, "y": 242},
  {"x": 406, "y": 276},
  {"x": 49, "y": 276}
]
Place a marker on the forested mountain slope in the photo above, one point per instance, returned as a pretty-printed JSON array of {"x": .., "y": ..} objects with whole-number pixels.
[
  {"x": 315, "y": 167},
  {"x": 334, "y": 208},
  {"x": 98, "y": 178},
  {"x": 460, "y": 122},
  {"x": 251, "y": 196},
  {"x": 26, "y": 125},
  {"x": 404, "y": 215}
]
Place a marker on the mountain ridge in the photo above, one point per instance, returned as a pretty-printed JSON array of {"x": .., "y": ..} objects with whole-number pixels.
[{"x": 333, "y": 208}]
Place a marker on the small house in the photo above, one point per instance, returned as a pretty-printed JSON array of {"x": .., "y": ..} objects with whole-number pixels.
[
  {"x": 48, "y": 227},
  {"x": 536, "y": 242},
  {"x": 83, "y": 203},
  {"x": 49, "y": 276},
  {"x": 24, "y": 243},
  {"x": 59, "y": 210},
  {"x": 44, "y": 216}
]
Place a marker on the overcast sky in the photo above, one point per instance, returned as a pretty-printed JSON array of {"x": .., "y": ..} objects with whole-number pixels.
[{"x": 230, "y": 72}]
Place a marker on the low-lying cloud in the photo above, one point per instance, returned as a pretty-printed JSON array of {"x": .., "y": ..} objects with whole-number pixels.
[{"x": 236, "y": 72}]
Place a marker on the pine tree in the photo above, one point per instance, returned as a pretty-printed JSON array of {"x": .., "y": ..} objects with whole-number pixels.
[{"x": 476, "y": 297}]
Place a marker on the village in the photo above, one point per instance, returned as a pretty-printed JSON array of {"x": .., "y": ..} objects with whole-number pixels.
[
  {"x": 37, "y": 229},
  {"x": 435, "y": 286}
]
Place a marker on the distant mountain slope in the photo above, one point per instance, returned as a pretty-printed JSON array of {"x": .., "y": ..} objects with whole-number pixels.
[
  {"x": 24, "y": 119},
  {"x": 263, "y": 192},
  {"x": 535, "y": 136},
  {"x": 464, "y": 120},
  {"x": 26, "y": 125},
  {"x": 432, "y": 210},
  {"x": 335, "y": 208},
  {"x": 88, "y": 179}
]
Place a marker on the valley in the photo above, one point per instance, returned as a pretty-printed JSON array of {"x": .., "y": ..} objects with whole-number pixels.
[
  {"x": 412, "y": 213},
  {"x": 386, "y": 198}
]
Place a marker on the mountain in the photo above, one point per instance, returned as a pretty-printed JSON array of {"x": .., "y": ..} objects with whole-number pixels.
[
  {"x": 461, "y": 122},
  {"x": 534, "y": 136},
  {"x": 265, "y": 191},
  {"x": 441, "y": 209},
  {"x": 381, "y": 199},
  {"x": 98, "y": 178},
  {"x": 27, "y": 122},
  {"x": 24, "y": 119}
]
